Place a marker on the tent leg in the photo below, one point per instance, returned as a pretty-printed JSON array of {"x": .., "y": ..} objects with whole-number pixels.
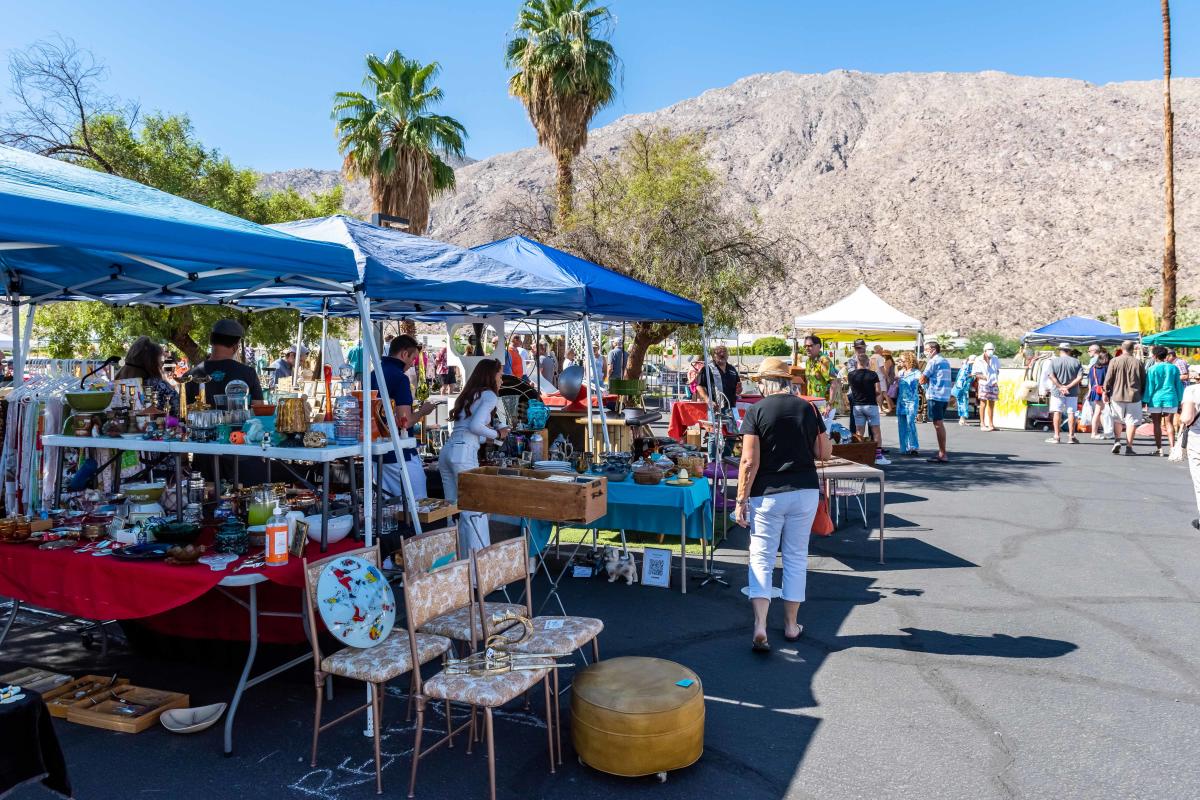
[
  {"x": 368, "y": 483},
  {"x": 18, "y": 350},
  {"x": 410, "y": 500},
  {"x": 589, "y": 366}
]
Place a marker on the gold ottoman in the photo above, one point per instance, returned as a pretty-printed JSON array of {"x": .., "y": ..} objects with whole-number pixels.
[{"x": 630, "y": 717}]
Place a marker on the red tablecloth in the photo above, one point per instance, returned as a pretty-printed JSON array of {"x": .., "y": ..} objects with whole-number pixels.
[
  {"x": 556, "y": 400},
  {"x": 686, "y": 413},
  {"x": 179, "y": 600}
]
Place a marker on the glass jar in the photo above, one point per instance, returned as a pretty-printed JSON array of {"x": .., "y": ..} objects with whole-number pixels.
[
  {"x": 347, "y": 418},
  {"x": 262, "y": 505}
]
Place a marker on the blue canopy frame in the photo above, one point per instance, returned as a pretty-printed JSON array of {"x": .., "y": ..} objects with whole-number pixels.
[{"x": 1077, "y": 330}]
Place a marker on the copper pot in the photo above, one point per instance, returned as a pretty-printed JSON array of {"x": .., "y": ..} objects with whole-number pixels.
[{"x": 291, "y": 415}]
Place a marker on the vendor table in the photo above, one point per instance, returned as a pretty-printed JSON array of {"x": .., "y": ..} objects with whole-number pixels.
[
  {"x": 31, "y": 750},
  {"x": 102, "y": 587},
  {"x": 852, "y": 471},
  {"x": 684, "y": 511},
  {"x": 319, "y": 455},
  {"x": 686, "y": 413}
]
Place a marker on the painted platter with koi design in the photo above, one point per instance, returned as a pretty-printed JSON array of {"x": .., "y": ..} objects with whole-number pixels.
[{"x": 355, "y": 602}]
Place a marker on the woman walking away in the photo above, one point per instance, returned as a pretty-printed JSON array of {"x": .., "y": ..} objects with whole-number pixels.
[
  {"x": 782, "y": 438},
  {"x": 962, "y": 389},
  {"x": 908, "y": 401},
  {"x": 1162, "y": 396},
  {"x": 1096, "y": 373},
  {"x": 472, "y": 424},
  {"x": 987, "y": 372},
  {"x": 887, "y": 380}
]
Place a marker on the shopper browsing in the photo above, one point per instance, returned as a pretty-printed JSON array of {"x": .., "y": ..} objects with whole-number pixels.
[
  {"x": 1123, "y": 386},
  {"x": 987, "y": 375},
  {"x": 1066, "y": 374},
  {"x": 1163, "y": 394},
  {"x": 866, "y": 395},
  {"x": 936, "y": 379}
]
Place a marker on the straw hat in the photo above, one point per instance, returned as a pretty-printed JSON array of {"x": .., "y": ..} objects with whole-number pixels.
[{"x": 774, "y": 367}]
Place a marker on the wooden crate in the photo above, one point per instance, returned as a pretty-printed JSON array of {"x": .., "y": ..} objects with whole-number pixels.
[
  {"x": 531, "y": 493},
  {"x": 61, "y": 699},
  {"x": 100, "y": 715},
  {"x": 437, "y": 514}
]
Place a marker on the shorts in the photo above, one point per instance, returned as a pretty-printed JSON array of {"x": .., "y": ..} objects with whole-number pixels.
[
  {"x": 866, "y": 415},
  {"x": 936, "y": 409},
  {"x": 1128, "y": 413},
  {"x": 989, "y": 392},
  {"x": 1158, "y": 410},
  {"x": 1066, "y": 405},
  {"x": 448, "y": 378}
]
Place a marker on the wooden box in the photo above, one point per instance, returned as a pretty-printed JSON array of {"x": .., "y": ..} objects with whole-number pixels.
[
  {"x": 533, "y": 493},
  {"x": 101, "y": 714},
  {"x": 62, "y": 698},
  {"x": 33, "y": 679}
]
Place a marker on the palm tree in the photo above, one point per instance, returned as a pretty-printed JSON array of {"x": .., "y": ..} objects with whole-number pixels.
[
  {"x": 393, "y": 141},
  {"x": 564, "y": 75},
  {"x": 1170, "y": 267}
]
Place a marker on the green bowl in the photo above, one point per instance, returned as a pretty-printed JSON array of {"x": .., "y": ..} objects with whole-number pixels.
[{"x": 89, "y": 400}]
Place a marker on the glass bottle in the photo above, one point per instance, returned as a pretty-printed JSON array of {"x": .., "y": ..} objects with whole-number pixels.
[{"x": 195, "y": 489}]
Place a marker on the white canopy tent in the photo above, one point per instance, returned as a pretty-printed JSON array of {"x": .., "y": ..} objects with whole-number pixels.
[{"x": 862, "y": 314}]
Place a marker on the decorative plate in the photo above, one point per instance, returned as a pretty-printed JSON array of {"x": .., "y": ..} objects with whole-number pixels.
[
  {"x": 143, "y": 552},
  {"x": 356, "y": 602}
]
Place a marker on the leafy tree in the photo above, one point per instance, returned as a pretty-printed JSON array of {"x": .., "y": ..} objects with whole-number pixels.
[
  {"x": 655, "y": 211},
  {"x": 564, "y": 75},
  {"x": 1006, "y": 347},
  {"x": 770, "y": 346},
  {"x": 389, "y": 137},
  {"x": 62, "y": 113}
]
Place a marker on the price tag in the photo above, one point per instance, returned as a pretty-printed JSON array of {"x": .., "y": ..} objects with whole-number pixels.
[
  {"x": 553, "y": 624},
  {"x": 686, "y": 682},
  {"x": 581, "y": 572}
]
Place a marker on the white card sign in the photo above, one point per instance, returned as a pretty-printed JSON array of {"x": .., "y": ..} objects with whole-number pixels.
[{"x": 656, "y": 567}]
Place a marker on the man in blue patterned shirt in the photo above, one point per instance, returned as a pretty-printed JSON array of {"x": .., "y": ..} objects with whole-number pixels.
[{"x": 937, "y": 381}]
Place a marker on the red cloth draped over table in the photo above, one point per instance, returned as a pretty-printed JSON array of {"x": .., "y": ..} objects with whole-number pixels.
[
  {"x": 686, "y": 413},
  {"x": 556, "y": 400},
  {"x": 175, "y": 600}
]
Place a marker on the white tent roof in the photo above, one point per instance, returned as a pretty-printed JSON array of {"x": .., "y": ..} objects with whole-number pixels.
[{"x": 864, "y": 313}]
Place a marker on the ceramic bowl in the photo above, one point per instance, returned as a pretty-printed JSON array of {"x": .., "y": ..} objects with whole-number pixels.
[
  {"x": 89, "y": 400},
  {"x": 192, "y": 720},
  {"x": 339, "y": 527},
  {"x": 144, "y": 492},
  {"x": 177, "y": 533}
]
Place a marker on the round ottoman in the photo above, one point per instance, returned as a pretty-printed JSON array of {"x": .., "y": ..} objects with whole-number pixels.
[{"x": 630, "y": 716}]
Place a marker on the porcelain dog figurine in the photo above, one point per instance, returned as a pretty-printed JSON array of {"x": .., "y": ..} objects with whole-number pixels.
[{"x": 620, "y": 565}]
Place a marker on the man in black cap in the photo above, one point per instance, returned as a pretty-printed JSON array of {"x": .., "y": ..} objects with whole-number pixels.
[{"x": 221, "y": 364}]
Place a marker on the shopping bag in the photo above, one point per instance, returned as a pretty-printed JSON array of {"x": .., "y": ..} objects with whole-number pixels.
[
  {"x": 822, "y": 522},
  {"x": 1178, "y": 447}
]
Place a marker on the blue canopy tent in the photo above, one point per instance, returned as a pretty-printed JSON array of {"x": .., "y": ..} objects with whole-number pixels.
[
  {"x": 608, "y": 295},
  {"x": 70, "y": 233},
  {"x": 1077, "y": 330}
]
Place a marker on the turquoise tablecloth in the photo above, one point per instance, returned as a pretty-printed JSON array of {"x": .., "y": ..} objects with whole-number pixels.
[{"x": 633, "y": 507}]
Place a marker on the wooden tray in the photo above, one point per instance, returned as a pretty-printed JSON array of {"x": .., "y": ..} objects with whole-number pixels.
[
  {"x": 437, "y": 514},
  {"x": 528, "y": 493},
  {"x": 61, "y": 699},
  {"x": 31, "y": 677},
  {"x": 100, "y": 715}
]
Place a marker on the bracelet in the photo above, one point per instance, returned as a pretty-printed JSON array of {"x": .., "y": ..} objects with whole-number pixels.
[{"x": 742, "y": 502}]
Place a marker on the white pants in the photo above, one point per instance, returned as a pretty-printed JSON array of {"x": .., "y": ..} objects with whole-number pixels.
[
  {"x": 461, "y": 453},
  {"x": 391, "y": 482},
  {"x": 1193, "y": 457},
  {"x": 781, "y": 521}
]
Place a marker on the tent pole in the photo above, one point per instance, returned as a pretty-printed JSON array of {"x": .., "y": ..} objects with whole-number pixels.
[
  {"x": 589, "y": 366},
  {"x": 320, "y": 374},
  {"x": 18, "y": 356},
  {"x": 368, "y": 465},
  {"x": 714, "y": 381},
  {"x": 299, "y": 339},
  {"x": 410, "y": 500},
  {"x": 594, "y": 388},
  {"x": 26, "y": 338}
]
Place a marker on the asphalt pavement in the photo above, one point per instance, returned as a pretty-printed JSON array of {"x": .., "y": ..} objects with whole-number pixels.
[{"x": 1034, "y": 633}]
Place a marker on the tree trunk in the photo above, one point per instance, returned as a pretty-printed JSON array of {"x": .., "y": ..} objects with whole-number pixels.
[
  {"x": 409, "y": 327},
  {"x": 1170, "y": 267},
  {"x": 645, "y": 336},
  {"x": 565, "y": 189}
]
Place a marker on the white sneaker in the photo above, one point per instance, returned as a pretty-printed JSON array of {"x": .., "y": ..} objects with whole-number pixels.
[{"x": 882, "y": 461}]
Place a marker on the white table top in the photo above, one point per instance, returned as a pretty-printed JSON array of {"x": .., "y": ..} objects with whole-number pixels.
[
  {"x": 317, "y": 454},
  {"x": 849, "y": 471}
]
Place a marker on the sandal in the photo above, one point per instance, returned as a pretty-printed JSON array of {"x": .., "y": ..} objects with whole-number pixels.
[
  {"x": 796, "y": 638},
  {"x": 936, "y": 460},
  {"x": 760, "y": 645}
]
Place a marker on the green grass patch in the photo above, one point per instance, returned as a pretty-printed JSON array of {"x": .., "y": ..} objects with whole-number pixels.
[{"x": 636, "y": 539}]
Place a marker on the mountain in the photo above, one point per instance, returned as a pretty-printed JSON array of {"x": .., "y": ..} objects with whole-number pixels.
[{"x": 980, "y": 201}]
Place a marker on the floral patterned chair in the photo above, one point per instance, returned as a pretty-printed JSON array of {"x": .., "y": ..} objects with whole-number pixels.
[
  {"x": 375, "y": 666},
  {"x": 505, "y": 562},
  {"x": 431, "y": 595},
  {"x": 428, "y": 551}
]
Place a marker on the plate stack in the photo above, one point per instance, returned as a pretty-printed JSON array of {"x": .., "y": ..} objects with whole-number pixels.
[{"x": 553, "y": 466}]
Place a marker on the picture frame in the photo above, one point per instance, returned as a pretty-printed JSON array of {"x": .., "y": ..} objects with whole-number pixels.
[
  {"x": 656, "y": 567},
  {"x": 299, "y": 540}
]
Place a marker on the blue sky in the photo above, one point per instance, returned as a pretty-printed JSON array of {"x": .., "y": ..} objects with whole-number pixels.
[{"x": 257, "y": 76}]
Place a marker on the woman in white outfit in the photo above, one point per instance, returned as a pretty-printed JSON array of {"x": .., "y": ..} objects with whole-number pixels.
[
  {"x": 1190, "y": 422},
  {"x": 471, "y": 422},
  {"x": 777, "y": 494}
]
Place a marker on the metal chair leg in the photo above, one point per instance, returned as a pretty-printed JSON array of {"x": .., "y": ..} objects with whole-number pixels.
[
  {"x": 491, "y": 751},
  {"x": 551, "y": 724},
  {"x": 317, "y": 719},
  {"x": 377, "y": 719},
  {"x": 862, "y": 507},
  {"x": 557, "y": 716},
  {"x": 449, "y": 728},
  {"x": 416, "y": 756},
  {"x": 596, "y": 649}
]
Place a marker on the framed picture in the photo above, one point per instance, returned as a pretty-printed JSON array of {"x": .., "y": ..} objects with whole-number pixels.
[
  {"x": 656, "y": 567},
  {"x": 299, "y": 540}
]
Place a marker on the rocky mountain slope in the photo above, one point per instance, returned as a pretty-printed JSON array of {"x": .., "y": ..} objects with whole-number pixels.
[{"x": 972, "y": 201}]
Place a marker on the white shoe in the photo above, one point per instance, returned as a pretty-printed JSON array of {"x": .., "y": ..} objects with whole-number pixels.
[{"x": 882, "y": 461}]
